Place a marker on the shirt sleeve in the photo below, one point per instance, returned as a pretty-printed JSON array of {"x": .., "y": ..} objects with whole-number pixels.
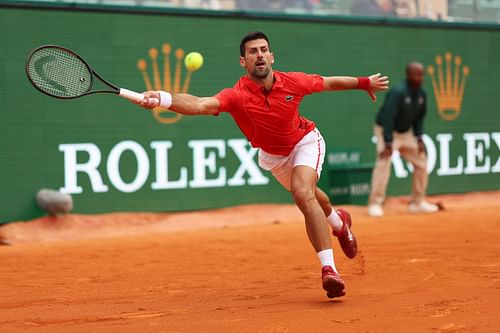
[
  {"x": 310, "y": 83},
  {"x": 228, "y": 99},
  {"x": 388, "y": 114},
  {"x": 418, "y": 126}
]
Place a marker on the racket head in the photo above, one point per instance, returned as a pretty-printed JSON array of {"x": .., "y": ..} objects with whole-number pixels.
[{"x": 59, "y": 72}]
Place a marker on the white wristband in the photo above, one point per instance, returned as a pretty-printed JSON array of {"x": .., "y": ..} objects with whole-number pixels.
[{"x": 165, "y": 99}]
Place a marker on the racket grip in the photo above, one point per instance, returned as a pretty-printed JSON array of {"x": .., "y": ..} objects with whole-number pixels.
[
  {"x": 131, "y": 95},
  {"x": 136, "y": 97}
]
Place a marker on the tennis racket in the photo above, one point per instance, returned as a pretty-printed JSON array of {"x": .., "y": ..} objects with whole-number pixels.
[{"x": 61, "y": 73}]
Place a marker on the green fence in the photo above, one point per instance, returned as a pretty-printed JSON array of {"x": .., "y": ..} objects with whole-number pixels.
[{"x": 114, "y": 156}]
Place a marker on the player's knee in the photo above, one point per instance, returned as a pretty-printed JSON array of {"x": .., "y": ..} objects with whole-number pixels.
[
  {"x": 302, "y": 195},
  {"x": 420, "y": 167}
]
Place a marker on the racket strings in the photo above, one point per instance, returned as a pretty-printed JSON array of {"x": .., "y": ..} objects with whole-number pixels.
[{"x": 59, "y": 73}]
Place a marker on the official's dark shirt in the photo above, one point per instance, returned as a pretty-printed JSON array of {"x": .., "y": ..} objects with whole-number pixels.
[{"x": 403, "y": 109}]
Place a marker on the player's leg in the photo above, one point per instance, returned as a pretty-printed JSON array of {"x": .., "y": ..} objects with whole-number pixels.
[
  {"x": 324, "y": 201},
  {"x": 303, "y": 189},
  {"x": 283, "y": 174},
  {"x": 340, "y": 222},
  {"x": 380, "y": 177},
  {"x": 409, "y": 151},
  {"x": 302, "y": 168},
  {"x": 301, "y": 182}
]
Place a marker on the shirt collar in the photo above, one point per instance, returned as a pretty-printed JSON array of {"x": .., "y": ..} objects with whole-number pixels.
[{"x": 253, "y": 86}]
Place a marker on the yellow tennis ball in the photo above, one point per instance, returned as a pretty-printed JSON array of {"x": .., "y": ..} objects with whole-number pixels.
[{"x": 193, "y": 61}]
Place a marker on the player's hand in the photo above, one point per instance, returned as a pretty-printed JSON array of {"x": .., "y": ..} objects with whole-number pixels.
[
  {"x": 150, "y": 100},
  {"x": 386, "y": 153},
  {"x": 421, "y": 147},
  {"x": 377, "y": 83}
]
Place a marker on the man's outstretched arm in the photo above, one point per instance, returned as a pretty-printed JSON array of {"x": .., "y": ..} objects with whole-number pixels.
[
  {"x": 185, "y": 104},
  {"x": 371, "y": 84}
]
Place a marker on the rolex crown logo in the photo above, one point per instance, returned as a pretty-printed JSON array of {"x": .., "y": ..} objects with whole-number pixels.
[
  {"x": 155, "y": 83},
  {"x": 449, "y": 85}
]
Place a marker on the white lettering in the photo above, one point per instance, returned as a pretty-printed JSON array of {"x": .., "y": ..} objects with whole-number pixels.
[
  {"x": 496, "y": 138},
  {"x": 479, "y": 157},
  {"x": 113, "y": 166},
  {"x": 162, "y": 182},
  {"x": 247, "y": 164},
  {"x": 72, "y": 167},
  {"x": 203, "y": 161},
  {"x": 476, "y": 144},
  {"x": 208, "y": 155},
  {"x": 444, "y": 157}
]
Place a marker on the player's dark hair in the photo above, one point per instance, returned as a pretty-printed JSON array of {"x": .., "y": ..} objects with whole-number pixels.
[{"x": 253, "y": 35}]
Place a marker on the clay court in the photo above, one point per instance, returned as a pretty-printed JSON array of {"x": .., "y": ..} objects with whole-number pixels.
[{"x": 251, "y": 269}]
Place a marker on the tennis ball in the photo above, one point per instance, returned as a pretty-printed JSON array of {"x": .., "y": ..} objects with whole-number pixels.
[{"x": 193, "y": 61}]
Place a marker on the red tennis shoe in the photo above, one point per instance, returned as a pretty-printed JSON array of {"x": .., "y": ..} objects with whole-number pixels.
[
  {"x": 346, "y": 237},
  {"x": 332, "y": 282}
]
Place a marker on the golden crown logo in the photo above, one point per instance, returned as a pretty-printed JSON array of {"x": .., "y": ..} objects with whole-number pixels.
[
  {"x": 161, "y": 115},
  {"x": 448, "y": 90}
]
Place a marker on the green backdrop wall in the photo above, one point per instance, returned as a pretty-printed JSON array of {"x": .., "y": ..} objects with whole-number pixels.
[{"x": 137, "y": 163}]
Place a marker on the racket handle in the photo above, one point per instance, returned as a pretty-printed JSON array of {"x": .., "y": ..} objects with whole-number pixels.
[
  {"x": 136, "y": 97},
  {"x": 131, "y": 95}
]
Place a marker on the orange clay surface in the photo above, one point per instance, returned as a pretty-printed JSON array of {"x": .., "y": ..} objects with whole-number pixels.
[{"x": 251, "y": 269}]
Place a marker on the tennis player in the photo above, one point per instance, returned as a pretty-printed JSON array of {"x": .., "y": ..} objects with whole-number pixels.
[{"x": 265, "y": 105}]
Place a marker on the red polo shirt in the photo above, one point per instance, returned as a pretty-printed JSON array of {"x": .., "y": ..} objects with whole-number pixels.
[{"x": 271, "y": 120}]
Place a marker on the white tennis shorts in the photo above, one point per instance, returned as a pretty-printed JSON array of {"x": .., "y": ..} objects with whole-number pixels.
[{"x": 309, "y": 151}]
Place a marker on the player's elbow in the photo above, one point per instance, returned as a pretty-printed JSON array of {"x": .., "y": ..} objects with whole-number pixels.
[
  {"x": 206, "y": 109},
  {"x": 329, "y": 85},
  {"x": 201, "y": 109}
]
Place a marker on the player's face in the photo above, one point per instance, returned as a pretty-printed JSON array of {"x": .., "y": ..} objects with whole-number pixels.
[{"x": 258, "y": 58}]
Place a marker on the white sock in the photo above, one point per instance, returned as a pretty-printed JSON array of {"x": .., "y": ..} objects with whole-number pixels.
[
  {"x": 326, "y": 258},
  {"x": 334, "y": 221}
]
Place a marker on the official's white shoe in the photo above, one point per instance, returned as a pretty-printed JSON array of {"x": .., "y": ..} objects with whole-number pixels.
[
  {"x": 375, "y": 210},
  {"x": 422, "y": 207}
]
